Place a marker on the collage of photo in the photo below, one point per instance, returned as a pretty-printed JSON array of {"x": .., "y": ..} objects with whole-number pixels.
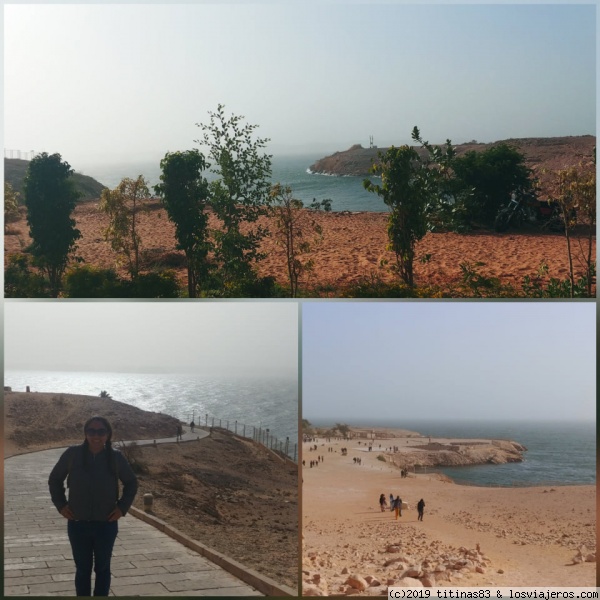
[{"x": 261, "y": 336}]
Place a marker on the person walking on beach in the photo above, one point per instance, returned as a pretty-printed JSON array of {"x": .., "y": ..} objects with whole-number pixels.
[
  {"x": 420, "y": 508},
  {"x": 391, "y": 502},
  {"x": 93, "y": 471},
  {"x": 382, "y": 502},
  {"x": 398, "y": 507},
  {"x": 192, "y": 425},
  {"x": 179, "y": 432}
]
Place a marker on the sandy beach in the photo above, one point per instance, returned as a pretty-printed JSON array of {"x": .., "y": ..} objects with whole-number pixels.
[
  {"x": 352, "y": 250},
  {"x": 469, "y": 537}
]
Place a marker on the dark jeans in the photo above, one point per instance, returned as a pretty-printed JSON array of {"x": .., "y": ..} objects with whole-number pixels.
[{"x": 92, "y": 544}]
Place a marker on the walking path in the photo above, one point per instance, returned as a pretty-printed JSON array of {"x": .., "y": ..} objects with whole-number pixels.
[{"x": 146, "y": 561}]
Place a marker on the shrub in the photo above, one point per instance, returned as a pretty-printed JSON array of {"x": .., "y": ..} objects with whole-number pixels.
[
  {"x": 161, "y": 284},
  {"x": 92, "y": 282},
  {"x": 21, "y": 282}
]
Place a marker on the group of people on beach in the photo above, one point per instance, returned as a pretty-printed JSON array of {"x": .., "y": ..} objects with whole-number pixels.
[{"x": 396, "y": 506}]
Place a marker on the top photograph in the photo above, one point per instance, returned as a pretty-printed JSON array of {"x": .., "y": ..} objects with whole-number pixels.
[{"x": 270, "y": 151}]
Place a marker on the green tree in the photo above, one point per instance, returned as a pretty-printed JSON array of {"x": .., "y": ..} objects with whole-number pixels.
[
  {"x": 184, "y": 193},
  {"x": 240, "y": 196},
  {"x": 11, "y": 204},
  {"x": 297, "y": 232},
  {"x": 574, "y": 191},
  {"x": 492, "y": 176},
  {"x": 122, "y": 206},
  {"x": 50, "y": 198},
  {"x": 405, "y": 188}
]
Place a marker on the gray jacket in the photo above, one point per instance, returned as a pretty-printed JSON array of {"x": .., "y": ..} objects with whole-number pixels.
[{"x": 93, "y": 487}]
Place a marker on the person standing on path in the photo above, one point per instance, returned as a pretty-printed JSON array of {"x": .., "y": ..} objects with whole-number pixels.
[
  {"x": 420, "y": 508},
  {"x": 92, "y": 470}
]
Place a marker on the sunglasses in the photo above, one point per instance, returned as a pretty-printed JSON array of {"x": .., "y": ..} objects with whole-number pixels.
[{"x": 92, "y": 431}]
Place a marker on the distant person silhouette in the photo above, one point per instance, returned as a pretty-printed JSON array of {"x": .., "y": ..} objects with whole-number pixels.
[{"x": 420, "y": 508}]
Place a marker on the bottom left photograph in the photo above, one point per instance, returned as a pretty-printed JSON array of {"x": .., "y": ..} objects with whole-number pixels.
[{"x": 151, "y": 449}]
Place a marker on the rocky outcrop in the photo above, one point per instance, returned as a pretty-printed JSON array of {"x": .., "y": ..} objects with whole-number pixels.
[
  {"x": 456, "y": 453},
  {"x": 540, "y": 153}
]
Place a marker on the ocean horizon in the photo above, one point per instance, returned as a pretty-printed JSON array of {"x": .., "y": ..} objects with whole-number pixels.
[
  {"x": 346, "y": 193},
  {"x": 558, "y": 453}
]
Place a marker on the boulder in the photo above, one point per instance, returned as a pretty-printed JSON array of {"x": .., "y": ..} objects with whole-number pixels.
[
  {"x": 409, "y": 582},
  {"x": 357, "y": 582},
  {"x": 311, "y": 590}
]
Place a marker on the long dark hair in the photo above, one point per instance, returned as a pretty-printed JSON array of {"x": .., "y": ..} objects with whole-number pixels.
[{"x": 112, "y": 459}]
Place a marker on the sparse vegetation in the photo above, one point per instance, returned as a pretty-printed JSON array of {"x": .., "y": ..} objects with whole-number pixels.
[
  {"x": 297, "y": 232},
  {"x": 428, "y": 189},
  {"x": 122, "y": 206}
]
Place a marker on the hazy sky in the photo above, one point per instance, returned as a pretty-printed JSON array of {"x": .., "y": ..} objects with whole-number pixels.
[
  {"x": 431, "y": 360},
  {"x": 216, "y": 338},
  {"x": 128, "y": 82}
]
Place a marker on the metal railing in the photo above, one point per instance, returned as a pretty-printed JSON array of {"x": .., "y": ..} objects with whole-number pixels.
[
  {"x": 21, "y": 154},
  {"x": 261, "y": 435}
]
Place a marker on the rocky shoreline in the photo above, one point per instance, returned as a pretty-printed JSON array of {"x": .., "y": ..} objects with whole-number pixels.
[
  {"x": 410, "y": 450},
  {"x": 540, "y": 154}
]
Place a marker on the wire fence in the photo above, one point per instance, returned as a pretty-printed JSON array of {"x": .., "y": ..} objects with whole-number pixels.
[
  {"x": 21, "y": 154},
  {"x": 261, "y": 435}
]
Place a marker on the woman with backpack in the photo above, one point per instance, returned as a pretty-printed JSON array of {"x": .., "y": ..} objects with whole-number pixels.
[{"x": 93, "y": 471}]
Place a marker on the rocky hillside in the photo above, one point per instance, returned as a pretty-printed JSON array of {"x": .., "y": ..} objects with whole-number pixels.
[
  {"x": 27, "y": 415},
  {"x": 16, "y": 168},
  {"x": 540, "y": 153}
]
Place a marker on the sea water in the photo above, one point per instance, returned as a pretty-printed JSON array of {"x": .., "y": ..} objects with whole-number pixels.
[
  {"x": 268, "y": 403},
  {"x": 558, "y": 453},
  {"x": 346, "y": 193}
]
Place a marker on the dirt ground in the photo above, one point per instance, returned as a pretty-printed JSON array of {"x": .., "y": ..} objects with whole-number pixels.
[
  {"x": 352, "y": 250},
  {"x": 470, "y": 536},
  {"x": 228, "y": 493},
  {"x": 231, "y": 495}
]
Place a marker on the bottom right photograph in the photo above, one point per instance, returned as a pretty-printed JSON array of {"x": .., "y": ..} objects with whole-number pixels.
[{"x": 448, "y": 444}]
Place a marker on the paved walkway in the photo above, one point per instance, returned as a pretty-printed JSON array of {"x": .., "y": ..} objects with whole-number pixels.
[{"x": 146, "y": 562}]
